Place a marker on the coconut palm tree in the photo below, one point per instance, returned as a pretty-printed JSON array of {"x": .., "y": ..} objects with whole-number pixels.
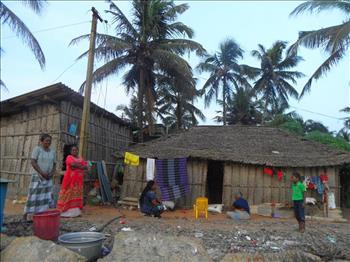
[
  {"x": 225, "y": 74},
  {"x": 9, "y": 18},
  {"x": 311, "y": 126},
  {"x": 274, "y": 75},
  {"x": 175, "y": 105},
  {"x": 129, "y": 112},
  {"x": 346, "y": 119},
  {"x": 334, "y": 40},
  {"x": 242, "y": 108},
  {"x": 149, "y": 43}
]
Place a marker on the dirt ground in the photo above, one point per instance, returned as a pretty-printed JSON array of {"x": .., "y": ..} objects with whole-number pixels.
[{"x": 218, "y": 234}]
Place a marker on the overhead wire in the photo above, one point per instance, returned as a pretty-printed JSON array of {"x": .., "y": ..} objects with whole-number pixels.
[{"x": 50, "y": 29}]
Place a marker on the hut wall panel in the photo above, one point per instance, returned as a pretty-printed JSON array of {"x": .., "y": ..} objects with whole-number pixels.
[
  {"x": 227, "y": 186},
  {"x": 19, "y": 135},
  {"x": 244, "y": 180},
  {"x": 259, "y": 191}
]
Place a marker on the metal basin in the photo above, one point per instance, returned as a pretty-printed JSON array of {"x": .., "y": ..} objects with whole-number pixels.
[{"x": 87, "y": 244}]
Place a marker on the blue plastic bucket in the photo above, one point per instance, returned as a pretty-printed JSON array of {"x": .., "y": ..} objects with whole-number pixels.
[{"x": 3, "y": 190}]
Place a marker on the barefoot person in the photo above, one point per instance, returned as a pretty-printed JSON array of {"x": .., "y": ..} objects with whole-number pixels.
[
  {"x": 70, "y": 200},
  {"x": 298, "y": 189},
  {"x": 40, "y": 189},
  {"x": 149, "y": 204}
]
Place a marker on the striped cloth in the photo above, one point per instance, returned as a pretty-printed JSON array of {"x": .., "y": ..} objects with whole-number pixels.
[{"x": 172, "y": 178}]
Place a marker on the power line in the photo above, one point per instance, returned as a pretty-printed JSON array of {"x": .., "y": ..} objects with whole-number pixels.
[
  {"x": 51, "y": 29},
  {"x": 65, "y": 70},
  {"x": 316, "y": 113}
]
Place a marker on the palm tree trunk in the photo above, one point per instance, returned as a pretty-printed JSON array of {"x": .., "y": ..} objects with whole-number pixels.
[
  {"x": 224, "y": 102},
  {"x": 264, "y": 112},
  {"x": 150, "y": 108},
  {"x": 140, "y": 106},
  {"x": 178, "y": 115}
]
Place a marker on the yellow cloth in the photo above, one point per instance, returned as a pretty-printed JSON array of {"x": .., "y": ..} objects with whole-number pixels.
[{"x": 131, "y": 159}]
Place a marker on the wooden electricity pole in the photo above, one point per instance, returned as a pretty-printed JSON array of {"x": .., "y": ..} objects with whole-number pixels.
[{"x": 83, "y": 141}]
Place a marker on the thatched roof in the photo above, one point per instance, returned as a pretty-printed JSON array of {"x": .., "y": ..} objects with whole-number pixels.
[
  {"x": 243, "y": 144},
  {"x": 52, "y": 94}
]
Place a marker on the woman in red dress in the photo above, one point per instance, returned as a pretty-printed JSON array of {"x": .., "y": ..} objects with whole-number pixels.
[{"x": 70, "y": 200}]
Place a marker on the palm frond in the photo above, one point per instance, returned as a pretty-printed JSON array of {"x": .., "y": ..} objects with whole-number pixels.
[
  {"x": 322, "y": 5},
  {"x": 332, "y": 60},
  {"x": 106, "y": 70},
  {"x": 122, "y": 22},
  {"x": 179, "y": 28},
  {"x": 180, "y": 46},
  {"x": 21, "y": 30},
  {"x": 36, "y": 5}
]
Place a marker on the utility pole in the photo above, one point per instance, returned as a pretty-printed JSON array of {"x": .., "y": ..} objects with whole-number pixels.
[{"x": 83, "y": 141}]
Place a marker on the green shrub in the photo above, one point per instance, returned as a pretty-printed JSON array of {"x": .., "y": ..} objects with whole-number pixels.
[{"x": 328, "y": 139}]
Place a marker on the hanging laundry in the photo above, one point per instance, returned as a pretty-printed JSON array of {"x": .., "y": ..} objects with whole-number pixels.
[
  {"x": 280, "y": 175},
  {"x": 150, "y": 169},
  {"x": 131, "y": 159},
  {"x": 323, "y": 177},
  {"x": 171, "y": 176},
  {"x": 268, "y": 171},
  {"x": 318, "y": 184},
  {"x": 311, "y": 186},
  {"x": 284, "y": 177},
  {"x": 307, "y": 181}
]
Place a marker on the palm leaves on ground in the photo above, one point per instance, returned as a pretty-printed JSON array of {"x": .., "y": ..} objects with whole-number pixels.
[
  {"x": 334, "y": 40},
  {"x": 150, "y": 42},
  {"x": 242, "y": 108},
  {"x": 21, "y": 30},
  {"x": 175, "y": 105},
  {"x": 225, "y": 74},
  {"x": 274, "y": 75}
]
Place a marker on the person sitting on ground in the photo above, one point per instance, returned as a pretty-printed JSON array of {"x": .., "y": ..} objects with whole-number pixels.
[
  {"x": 240, "y": 208},
  {"x": 149, "y": 204}
]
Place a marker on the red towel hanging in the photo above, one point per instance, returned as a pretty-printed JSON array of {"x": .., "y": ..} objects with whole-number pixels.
[
  {"x": 323, "y": 177},
  {"x": 268, "y": 171},
  {"x": 279, "y": 175}
]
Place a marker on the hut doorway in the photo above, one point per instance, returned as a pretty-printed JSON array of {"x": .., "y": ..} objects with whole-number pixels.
[
  {"x": 215, "y": 179},
  {"x": 345, "y": 186}
]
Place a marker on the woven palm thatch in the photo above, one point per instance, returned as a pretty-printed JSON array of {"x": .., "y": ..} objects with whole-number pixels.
[{"x": 243, "y": 144}]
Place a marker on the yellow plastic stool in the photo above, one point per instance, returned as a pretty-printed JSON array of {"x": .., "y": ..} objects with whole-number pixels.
[{"x": 201, "y": 206}]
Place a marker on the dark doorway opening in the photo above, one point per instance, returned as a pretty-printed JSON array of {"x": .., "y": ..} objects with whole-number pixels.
[
  {"x": 215, "y": 179},
  {"x": 344, "y": 175},
  {"x": 66, "y": 152}
]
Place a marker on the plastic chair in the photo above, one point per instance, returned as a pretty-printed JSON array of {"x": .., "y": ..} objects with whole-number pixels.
[{"x": 201, "y": 206}]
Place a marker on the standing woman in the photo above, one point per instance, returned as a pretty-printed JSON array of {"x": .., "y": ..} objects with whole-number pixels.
[
  {"x": 40, "y": 189},
  {"x": 70, "y": 200}
]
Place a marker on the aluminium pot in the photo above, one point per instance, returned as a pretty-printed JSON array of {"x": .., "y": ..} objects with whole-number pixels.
[{"x": 87, "y": 244}]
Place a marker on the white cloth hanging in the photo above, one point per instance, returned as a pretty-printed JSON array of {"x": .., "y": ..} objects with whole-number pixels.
[{"x": 150, "y": 169}]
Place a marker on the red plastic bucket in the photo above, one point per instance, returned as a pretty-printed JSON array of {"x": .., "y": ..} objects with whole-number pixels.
[{"x": 46, "y": 225}]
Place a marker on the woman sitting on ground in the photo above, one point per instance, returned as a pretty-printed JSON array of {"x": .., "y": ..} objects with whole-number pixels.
[
  {"x": 70, "y": 200},
  {"x": 240, "y": 208},
  {"x": 149, "y": 204}
]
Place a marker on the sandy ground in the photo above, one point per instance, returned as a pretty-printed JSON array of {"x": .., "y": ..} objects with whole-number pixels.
[{"x": 218, "y": 234}]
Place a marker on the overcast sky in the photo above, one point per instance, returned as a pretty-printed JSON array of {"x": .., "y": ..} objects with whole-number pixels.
[{"x": 248, "y": 22}]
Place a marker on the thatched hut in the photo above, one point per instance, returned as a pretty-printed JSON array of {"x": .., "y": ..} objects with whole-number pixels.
[
  {"x": 55, "y": 110},
  {"x": 226, "y": 159}
]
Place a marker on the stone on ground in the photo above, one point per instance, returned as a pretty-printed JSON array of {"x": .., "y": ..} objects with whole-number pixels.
[
  {"x": 135, "y": 247},
  {"x": 5, "y": 240},
  {"x": 33, "y": 249},
  {"x": 286, "y": 256}
]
